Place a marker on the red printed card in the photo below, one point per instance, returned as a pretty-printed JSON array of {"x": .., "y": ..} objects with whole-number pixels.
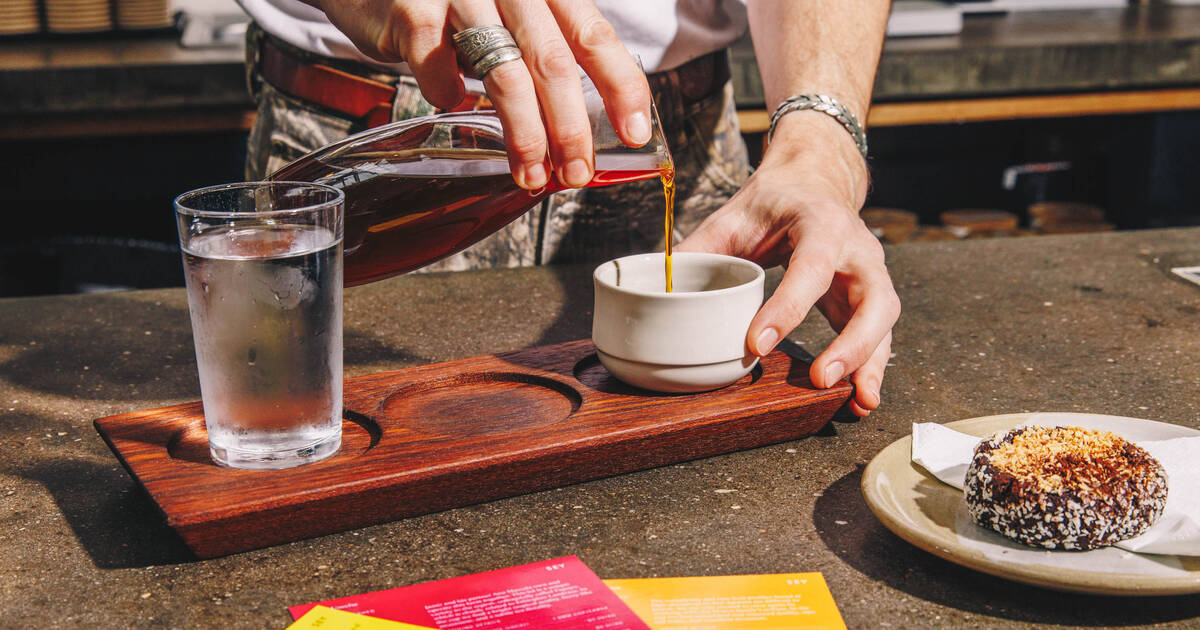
[{"x": 557, "y": 594}]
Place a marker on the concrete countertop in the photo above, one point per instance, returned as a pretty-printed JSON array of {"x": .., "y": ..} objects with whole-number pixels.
[
  {"x": 1075, "y": 323},
  {"x": 1016, "y": 53}
]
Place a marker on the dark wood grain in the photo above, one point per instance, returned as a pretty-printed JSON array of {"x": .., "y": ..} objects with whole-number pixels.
[{"x": 450, "y": 434}]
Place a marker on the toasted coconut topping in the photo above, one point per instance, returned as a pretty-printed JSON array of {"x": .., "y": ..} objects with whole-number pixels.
[
  {"x": 1064, "y": 488},
  {"x": 1055, "y": 458}
]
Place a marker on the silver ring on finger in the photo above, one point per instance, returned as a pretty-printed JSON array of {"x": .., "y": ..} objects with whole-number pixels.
[{"x": 485, "y": 47}]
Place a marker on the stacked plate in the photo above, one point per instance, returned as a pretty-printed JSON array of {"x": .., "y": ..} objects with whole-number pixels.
[
  {"x": 139, "y": 14},
  {"x": 890, "y": 225},
  {"x": 18, "y": 17},
  {"x": 977, "y": 223},
  {"x": 1068, "y": 217},
  {"x": 77, "y": 16}
]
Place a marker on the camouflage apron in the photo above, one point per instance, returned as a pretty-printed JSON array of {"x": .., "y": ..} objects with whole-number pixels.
[{"x": 587, "y": 225}]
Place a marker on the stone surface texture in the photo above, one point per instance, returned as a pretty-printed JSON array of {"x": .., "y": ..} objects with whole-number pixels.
[{"x": 1092, "y": 323}]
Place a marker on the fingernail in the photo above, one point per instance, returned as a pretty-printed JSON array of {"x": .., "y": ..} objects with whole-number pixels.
[
  {"x": 868, "y": 393},
  {"x": 535, "y": 176},
  {"x": 577, "y": 173},
  {"x": 766, "y": 341},
  {"x": 833, "y": 373},
  {"x": 638, "y": 128}
]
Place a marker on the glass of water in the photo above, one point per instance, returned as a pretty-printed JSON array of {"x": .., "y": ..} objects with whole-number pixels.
[{"x": 263, "y": 262}]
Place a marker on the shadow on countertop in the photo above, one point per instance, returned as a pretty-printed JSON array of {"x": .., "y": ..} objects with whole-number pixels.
[
  {"x": 64, "y": 376},
  {"x": 146, "y": 352},
  {"x": 114, "y": 520},
  {"x": 884, "y": 557}
]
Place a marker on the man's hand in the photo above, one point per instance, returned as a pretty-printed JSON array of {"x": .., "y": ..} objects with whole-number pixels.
[
  {"x": 539, "y": 99},
  {"x": 799, "y": 209}
]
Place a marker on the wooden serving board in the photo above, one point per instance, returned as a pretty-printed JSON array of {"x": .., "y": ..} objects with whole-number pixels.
[{"x": 440, "y": 436}]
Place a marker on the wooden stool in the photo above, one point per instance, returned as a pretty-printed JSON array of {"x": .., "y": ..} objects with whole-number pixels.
[
  {"x": 1076, "y": 228},
  {"x": 890, "y": 225},
  {"x": 1067, "y": 217},
  {"x": 979, "y": 223},
  {"x": 928, "y": 233}
]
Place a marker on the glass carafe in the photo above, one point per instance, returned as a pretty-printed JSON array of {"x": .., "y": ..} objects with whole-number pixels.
[{"x": 423, "y": 189}]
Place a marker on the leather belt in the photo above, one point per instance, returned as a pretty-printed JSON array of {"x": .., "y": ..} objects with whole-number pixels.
[
  {"x": 699, "y": 78},
  {"x": 355, "y": 96},
  {"x": 370, "y": 101}
]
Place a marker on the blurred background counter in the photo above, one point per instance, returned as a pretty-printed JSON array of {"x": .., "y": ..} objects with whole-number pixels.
[{"x": 1099, "y": 107}]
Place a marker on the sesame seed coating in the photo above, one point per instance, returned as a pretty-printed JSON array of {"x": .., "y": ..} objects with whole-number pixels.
[{"x": 1064, "y": 487}]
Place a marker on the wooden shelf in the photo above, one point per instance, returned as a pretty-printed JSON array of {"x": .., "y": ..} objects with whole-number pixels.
[
  {"x": 1010, "y": 108},
  {"x": 751, "y": 121}
]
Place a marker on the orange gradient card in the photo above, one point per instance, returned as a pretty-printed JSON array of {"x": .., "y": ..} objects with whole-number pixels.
[{"x": 782, "y": 601}]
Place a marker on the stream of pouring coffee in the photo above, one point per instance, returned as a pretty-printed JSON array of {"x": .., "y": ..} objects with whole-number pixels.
[{"x": 668, "y": 182}]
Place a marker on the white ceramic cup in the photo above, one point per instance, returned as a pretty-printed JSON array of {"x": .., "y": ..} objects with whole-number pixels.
[{"x": 690, "y": 340}]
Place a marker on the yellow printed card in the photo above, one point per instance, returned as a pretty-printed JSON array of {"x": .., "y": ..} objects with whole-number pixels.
[
  {"x": 783, "y": 601},
  {"x": 322, "y": 618}
]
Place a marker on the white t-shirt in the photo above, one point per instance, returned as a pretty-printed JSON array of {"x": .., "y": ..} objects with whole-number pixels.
[{"x": 664, "y": 33}]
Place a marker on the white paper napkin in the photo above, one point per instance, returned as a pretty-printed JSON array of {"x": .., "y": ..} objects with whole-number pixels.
[{"x": 947, "y": 453}]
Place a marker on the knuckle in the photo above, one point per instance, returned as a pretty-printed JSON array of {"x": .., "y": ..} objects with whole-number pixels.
[
  {"x": 528, "y": 146},
  {"x": 795, "y": 312},
  {"x": 389, "y": 49},
  {"x": 870, "y": 371},
  {"x": 792, "y": 308},
  {"x": 410, "y": 36},
  {"x": 874, "y": 251},
  {"x": 858, "y": 351},
  {"x": 872, "y": 244},
  {"x": 596, "y": 34},
  {"x": 572, "y": 138},
  {"x": 505, "y": 80},
  {"x": 817, "y": 270},
  {"x": 554, "y": 62},
  {"x": 893, "y": 307},
  {"x": 633, "y": 95},
  {"x": 868, "y": 256},
  {"x": 421, "y": 23}
]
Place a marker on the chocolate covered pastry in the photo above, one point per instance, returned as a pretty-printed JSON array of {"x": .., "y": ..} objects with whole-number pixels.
[{"x": 1064, "y": 487}]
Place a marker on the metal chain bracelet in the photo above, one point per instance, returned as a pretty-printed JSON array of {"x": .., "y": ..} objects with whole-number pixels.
[{"x": 826, "y": 105}]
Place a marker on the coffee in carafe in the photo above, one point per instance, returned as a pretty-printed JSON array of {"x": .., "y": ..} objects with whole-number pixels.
[{"x": 423, "y": 189}]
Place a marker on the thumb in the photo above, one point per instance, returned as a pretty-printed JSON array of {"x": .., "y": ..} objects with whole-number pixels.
[{"x": 803, "y": 283}]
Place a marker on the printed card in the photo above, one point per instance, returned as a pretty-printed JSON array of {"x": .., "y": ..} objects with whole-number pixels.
[
  {"x": 322, "y": 618},
  {"x": 557, "y": 594},
  {"x": 784, "y": 601},
  {"x": 1191, "y": 274}
]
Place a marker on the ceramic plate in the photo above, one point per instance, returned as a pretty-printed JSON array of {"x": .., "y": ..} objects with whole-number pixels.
[{"x": 933, "y": 516}]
